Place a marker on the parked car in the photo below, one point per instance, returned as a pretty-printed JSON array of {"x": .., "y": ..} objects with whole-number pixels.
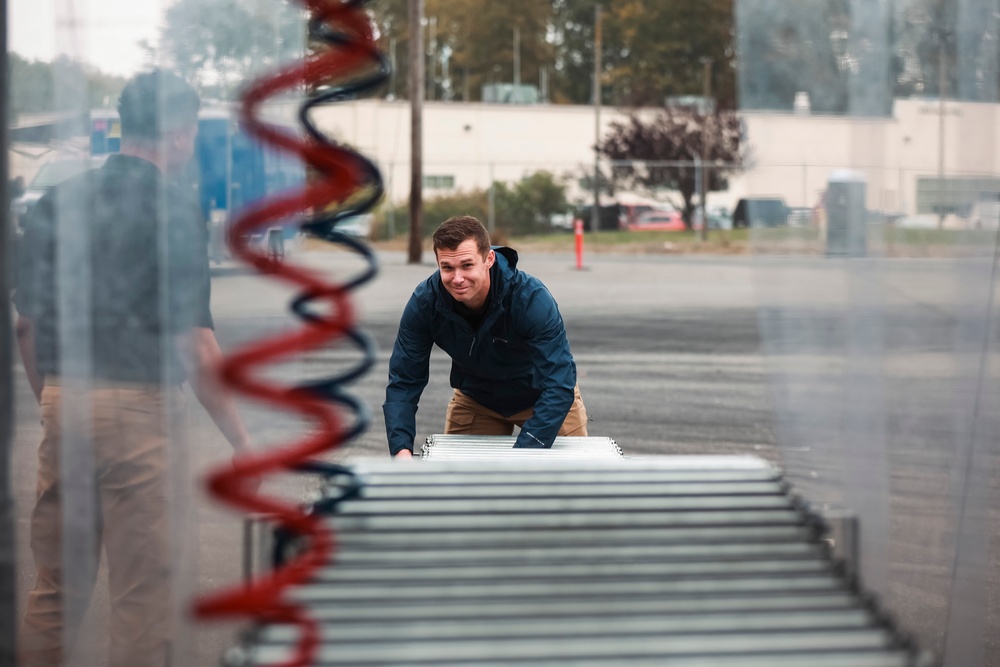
[
  {"x": 50, "y": 175},
  {"x": 984, "y": 215},
  {"x": 629, "y": 214},
  {"x": 718, "y": 218},
  {"x": 760, "y": 212},
  {"x": 358, "y": 226},
  {"x": 607, "y": 217},
  {"x": 561, "y": 222},
  {"x": 658, "y": 221}
]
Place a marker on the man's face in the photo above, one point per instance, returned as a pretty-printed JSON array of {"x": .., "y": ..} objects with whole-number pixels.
[{"x": 465, "y": 273}]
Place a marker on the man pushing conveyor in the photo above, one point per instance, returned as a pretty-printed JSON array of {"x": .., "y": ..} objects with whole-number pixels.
[{"x": 511, "y": 362}]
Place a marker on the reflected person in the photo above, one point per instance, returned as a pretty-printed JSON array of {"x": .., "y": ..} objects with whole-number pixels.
[
  {"x": 511, "y": 362},
  {"x": 140, "y": 242}
]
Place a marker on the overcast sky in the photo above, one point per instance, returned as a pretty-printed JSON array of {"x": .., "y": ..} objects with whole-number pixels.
[{"x": 104, "y": 33}]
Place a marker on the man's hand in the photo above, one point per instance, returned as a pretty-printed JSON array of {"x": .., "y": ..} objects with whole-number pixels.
[
  {"x": 25, "y": 330},
  {"x": 200, "y": 354},
  {"x": 403, "y": 454}
]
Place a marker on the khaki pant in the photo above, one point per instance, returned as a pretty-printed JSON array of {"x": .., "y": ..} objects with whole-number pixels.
[
  {"x": 466, "y": 416},
  {"x": 130, "y": 434}
]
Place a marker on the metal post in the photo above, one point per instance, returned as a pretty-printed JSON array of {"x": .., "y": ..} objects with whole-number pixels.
[
  {"x": 705, "y": 140},
  {"x": 432, "y": 56},
  {"x": 805, "y": 187},
  {"x": 902, "y": 177},
  {"x": 942, "y": 85},
  {"x": 7, "y": 552},
  {"x": 416, "y": 14},
  {"x": 392, "y": 68},
  {"x": 491, "y": 204},
  {"x": 231, "y": 127},
  {"x": 517, "y": 64},
  {"x": 595, "y": 215},
  {"x": 391, "y": 221}
]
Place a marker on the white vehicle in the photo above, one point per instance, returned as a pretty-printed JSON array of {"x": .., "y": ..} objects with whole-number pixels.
[
  {"x": 984, "y": 215},
  {"x": 358, "y": 226}
]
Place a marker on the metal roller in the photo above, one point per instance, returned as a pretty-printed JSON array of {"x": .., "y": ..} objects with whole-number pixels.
[{"x": 561, "y": 561}]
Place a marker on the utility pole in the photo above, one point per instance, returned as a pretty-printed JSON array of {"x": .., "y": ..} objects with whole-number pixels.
[
  {"x": 416, "y": 16},
  {"x": 432, "y": 56},
  {"x": 706, "y": 64},
  {"x": 595, "y": 214},
  {"x": 392, "y": 67},
  {"x": 517, "y": 64}
]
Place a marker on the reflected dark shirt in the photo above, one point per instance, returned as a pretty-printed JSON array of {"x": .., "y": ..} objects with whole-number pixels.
[{"x": 117, "y": 255}]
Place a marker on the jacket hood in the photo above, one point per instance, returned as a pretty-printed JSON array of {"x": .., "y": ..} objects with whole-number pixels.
[
  {"x": 504, "y": 271},
  {"x": 508, "y": 253}
]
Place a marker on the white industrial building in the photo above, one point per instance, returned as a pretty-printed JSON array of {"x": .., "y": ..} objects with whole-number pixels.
[
  {"x": 793, "y": 155},
  {"x": 468, "y": 145}
]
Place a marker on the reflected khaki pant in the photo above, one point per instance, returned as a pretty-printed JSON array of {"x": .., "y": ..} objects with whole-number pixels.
[
  {"x": 131, "y": 429},
  {"x": 468, "y": 417}
]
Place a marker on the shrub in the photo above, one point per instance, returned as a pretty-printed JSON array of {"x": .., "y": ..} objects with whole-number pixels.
[{"x": 520, "y": 208}]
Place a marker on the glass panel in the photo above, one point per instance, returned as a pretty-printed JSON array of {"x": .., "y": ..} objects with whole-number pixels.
[
  {"x": 133, "y": 165},
  {"x": 878, "y": 316}
]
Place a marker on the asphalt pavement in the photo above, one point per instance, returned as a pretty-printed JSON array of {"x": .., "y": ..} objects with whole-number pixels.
[{"x": 670, "y": 361}]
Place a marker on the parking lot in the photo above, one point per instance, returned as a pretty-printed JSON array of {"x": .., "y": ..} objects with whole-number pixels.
[{"x": 670, "y": 361}]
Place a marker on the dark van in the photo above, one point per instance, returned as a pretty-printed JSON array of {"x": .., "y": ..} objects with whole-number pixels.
[{"x": 760, "y": 212}]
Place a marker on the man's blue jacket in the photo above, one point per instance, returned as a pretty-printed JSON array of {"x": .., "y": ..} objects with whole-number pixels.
[{"x": 517, "y": 359}]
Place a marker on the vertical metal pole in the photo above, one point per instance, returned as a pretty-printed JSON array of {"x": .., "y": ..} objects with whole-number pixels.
[
  {"x": 902, "y": 175},
  {"x": 7, "y": 552},
  {"x": 416, "y": 15},
  {"x": 517, "y": 64},
  {"x": 805, "y": 187},
  {"x": 595, "y": 215},
  {"x": 230, "y": 129},
  {"x": 705, "y": 139},
  {"x": 392, "y": 68},
  {"x": 432, "y": 56},
  {"x": 942, "y": 84},
  {"x": 491, "y": 212}
]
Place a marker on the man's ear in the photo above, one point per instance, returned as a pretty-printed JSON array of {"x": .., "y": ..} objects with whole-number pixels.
[{"x": 491, "y": 257}]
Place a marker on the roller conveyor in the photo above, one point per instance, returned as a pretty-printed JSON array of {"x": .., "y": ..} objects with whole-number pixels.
[{"x": 563, "y": 561}]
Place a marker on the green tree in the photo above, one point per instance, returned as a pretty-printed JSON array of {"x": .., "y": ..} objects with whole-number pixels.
[
  {"x": 438, "y": 209},
  {"x": 649, "y": 50},
  {"x": 655, "y": 49},
  {"x": 61, "y": 85},
  {"x": 526, "y": 207},
  {"x": 220, "y": 44},
  {"x": 665, "y": 150},
  {"x": 478, "y": 39}
]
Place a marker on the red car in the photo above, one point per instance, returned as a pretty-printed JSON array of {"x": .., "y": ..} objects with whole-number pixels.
[{"x": 658, "y": 221}]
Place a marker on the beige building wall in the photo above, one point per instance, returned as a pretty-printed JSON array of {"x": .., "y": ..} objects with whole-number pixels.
[
  {"x": 792, "y": 156},
  {"x": 466, "y": 146}
]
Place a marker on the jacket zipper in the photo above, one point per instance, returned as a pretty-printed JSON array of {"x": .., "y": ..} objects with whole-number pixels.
[{"x": 473, "y": 344}]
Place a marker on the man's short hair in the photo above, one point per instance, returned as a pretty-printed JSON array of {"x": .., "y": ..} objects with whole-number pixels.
[
  {"x": 454, "y": 231},
  {"x": 155, "y": 103}
]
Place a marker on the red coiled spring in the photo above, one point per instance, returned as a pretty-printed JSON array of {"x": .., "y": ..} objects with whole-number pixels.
[{"x": 347, "y": 27}]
